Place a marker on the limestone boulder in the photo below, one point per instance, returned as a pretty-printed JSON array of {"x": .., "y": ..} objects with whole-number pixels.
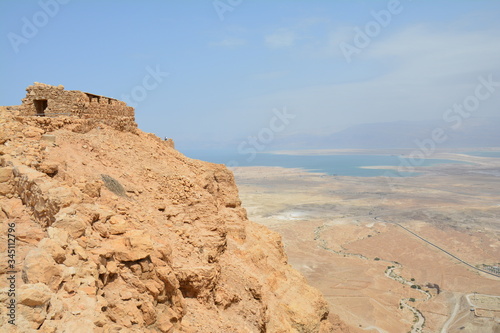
[
  {"x": 48, "y": 138},
  {"x": 40, "y": 267},
  {"x": 33, "y": 132},
  {"x": 135, "y": 245},
  {"x": 34, "y": 294},
  {"x": 117, "y": 225},
  {"x": 49, "y": 168},
  {"x": 197, "y": 281},
  {"x": 54, "y": 249},
  {"x": 92, "y": 189},
  {"x": 71, "y": 222},
  {"x": 6, "y": 189},
  {"x": 6, "y": 174},
  {"x": 59, "y": 236}
]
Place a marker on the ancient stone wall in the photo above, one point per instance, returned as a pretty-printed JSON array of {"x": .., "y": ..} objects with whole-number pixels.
[{"x": 44, "y": 100}]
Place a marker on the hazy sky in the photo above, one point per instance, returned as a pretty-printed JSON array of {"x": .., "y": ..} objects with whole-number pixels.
[{"x": 230, "y": 63}]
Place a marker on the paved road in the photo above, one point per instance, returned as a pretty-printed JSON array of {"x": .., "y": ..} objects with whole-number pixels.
[{"x": 439, "y": 248}]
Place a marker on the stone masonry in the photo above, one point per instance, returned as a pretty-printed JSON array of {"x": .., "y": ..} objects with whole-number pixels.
[{"x": 43, "y": 100}]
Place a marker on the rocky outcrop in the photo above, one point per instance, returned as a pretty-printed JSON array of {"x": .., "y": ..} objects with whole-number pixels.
[{"x": 174, "y": 253}]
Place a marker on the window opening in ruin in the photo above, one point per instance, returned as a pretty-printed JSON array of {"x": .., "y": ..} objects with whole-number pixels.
[{"x": 40, "y": 106}]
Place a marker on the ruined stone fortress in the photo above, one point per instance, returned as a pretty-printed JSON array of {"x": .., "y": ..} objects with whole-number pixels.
[{"x": 43, "y": 100}]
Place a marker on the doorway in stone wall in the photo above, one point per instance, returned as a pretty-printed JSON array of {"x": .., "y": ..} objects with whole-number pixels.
[{"x": 40, "y": 106}]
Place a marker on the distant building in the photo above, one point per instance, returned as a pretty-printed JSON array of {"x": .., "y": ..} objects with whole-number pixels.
[{"x": 44, "y": 100}]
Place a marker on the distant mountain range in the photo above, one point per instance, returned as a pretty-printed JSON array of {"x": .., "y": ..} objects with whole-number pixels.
[{"x": 474, "y": 132}]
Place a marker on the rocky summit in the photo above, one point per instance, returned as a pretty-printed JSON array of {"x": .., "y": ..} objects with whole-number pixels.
[{"x": 109, "y": 230}]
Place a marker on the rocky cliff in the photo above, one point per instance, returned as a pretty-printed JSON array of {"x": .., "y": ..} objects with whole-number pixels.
[{"x": 118, "y": 231}]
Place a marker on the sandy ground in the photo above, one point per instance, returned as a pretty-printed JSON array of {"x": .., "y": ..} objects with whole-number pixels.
[{"x": 343, "y": 233}]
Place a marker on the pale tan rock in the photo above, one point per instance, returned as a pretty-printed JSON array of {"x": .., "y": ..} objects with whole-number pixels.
[
  {"x": 64, "y": 196},
  {"x": 50, "y": 326},
  {"x": 117, "y": 225},
  {"x": 6, "y": 189},
  {"x": 112, "y": 267},
  {"x": 149, "y": 313},
  {"x": 93, "y": 189},
  {"x": 34, "y": 316},
  {"x": 34, "y": 294},
  {"x": 49, "y": 168},
  {"x": 71, "y": 260},
  {"x": 39, "y": 266},
  {"x": 33, "y": 132},
  {"x": 60, "y": 236},
  {"x": 6, "y": 174},
  {"x": 54, "y": 249},
  {"x": 164, "y": 325},
  {"x": 197, "y": 281},
  {"x": 79, "y": 325},
  {"x": 164, "y": 252},
  {"x": 69, "y": 221},
  {"x": 57, "y": 308},
  {"x": 79, "y": 251},
  {"x": 49, "y": 138},
  {"x": 136, "y": 244},
  {"x": 167, "y": 275}
]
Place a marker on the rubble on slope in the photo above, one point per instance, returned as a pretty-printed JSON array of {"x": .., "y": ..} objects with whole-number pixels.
[{"x": 174, "y": 252}]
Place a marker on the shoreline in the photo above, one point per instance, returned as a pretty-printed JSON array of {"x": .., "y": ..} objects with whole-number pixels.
[
  {"x": 323, "y": 220},
  {"x": 407, "y": 166},
  {"x": 380, "y": 151}
]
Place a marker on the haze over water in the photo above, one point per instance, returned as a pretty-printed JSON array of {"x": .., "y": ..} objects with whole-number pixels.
[{"x": 341, "y": 165}]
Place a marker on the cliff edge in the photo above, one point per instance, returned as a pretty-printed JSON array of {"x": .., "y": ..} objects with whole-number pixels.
[{"x": 117, "y": 231}]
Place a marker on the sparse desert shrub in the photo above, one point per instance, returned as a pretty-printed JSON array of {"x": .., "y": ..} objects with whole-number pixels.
[{"x": 113, "y": 185}]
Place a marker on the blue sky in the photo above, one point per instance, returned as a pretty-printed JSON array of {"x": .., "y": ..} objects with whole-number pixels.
[{"x": 230, "y": 63}]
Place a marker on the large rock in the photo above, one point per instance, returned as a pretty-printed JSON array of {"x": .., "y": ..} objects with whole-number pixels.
[
  {"x": 49, "y": 168},
  {"x": 39, "y": 266},
  {"x": 135, "y": 245},
  {"x": 197, "y": 281},
  {"x": 6, "y": 189},
  {"x": 60, "y": 236},
  {"x": 34, "y": 294},
  {"x": 48, "y": 138},
  {"x": 117, "y": 225},
  {"x": 6, "y": 174},
  {"x": 33, "y": 132},
  {"x": 73, "y": 223},
  {"x": 54, "y": 249}
]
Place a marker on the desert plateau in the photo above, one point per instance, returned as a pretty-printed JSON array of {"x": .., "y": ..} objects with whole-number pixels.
[{"x": 357, "y": 240}]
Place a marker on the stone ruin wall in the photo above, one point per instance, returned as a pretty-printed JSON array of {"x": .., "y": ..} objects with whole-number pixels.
[{"x": 73, "y": 103}]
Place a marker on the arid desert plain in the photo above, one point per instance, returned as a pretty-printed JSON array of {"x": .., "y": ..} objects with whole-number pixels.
[{"x": 413, "y": 254}]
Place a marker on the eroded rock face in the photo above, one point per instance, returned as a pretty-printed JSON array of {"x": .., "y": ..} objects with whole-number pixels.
[{"x": 174, "y": 253}]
